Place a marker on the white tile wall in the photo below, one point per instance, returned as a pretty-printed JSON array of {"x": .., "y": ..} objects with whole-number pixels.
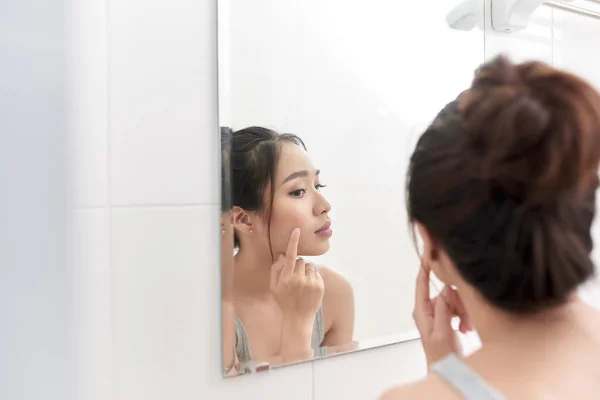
[
  {"x": 92, "y": 302},
  {"x": 88, "y": 72},
  {"x": 163, "y": 299},
  {"x": 162, "y": 83},
  {"x": 152, "y": 251},
  {"x": 365, "y": 375}
]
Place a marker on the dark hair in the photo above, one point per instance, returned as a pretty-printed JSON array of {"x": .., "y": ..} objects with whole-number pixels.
[
  {"x": 249, "y": 160},
  {"x": 505, "y": 180}
]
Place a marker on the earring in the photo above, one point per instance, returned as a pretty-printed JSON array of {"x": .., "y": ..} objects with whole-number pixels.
[{"x": 251, "y": 231}]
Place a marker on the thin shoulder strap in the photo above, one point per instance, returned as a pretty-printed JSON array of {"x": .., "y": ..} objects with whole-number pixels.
[
  {"x": 242, "y": 347},
  {"x": 318, "y": 333},
  {"x": 462, "y": 378}
]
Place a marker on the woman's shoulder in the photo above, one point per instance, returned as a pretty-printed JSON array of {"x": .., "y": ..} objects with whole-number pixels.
[
  {"x": 333, "y": 279},
  {"x": 430, "y": 387},
  {"x": 338, "y": 303}
]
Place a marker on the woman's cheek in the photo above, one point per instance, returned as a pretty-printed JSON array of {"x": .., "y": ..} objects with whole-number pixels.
[
  {"x": 285, "y": 221},
  {"x": 280, "y": 237}
]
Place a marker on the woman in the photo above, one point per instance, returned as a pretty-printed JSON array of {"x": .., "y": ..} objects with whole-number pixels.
[
  {"x": 283, "y": 308},
  {"x": 501, "y": 188}
]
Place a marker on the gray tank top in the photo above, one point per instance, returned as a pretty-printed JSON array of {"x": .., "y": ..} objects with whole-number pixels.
[
  {"x": 242, "y": 348},
  {"x": 466, "y": 381}
]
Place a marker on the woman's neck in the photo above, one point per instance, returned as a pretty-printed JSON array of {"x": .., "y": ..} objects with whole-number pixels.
[
  {"x": 494, "y": 325},
  {"x": 252, "y": 273}
]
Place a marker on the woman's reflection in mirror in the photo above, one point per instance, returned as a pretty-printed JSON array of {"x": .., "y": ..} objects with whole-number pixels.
[{"x": 279, "y": 307}]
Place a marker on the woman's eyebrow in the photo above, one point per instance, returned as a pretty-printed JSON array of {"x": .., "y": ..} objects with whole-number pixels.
[{"x": 299, "y": 174}]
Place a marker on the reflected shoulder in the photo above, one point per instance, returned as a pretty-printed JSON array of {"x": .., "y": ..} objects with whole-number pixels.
[
  {"x": 338, "y": 308},
  {"x": 334, "y": 281}
]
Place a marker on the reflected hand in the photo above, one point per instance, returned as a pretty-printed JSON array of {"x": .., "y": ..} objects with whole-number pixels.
[
  {"x": 296, "y": 285},
  {"x": 299, "y": 290},
  {"x": 433, "y": 318}
]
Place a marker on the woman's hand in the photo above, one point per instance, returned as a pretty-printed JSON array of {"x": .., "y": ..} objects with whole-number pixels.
[
  {"x": 296, "y": 285},
  {"x": 298, "y": 289},
  {"x": 433, "y": 318}
]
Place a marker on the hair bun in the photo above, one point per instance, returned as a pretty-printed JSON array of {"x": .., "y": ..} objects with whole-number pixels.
[{"x": 532, "y": 130}]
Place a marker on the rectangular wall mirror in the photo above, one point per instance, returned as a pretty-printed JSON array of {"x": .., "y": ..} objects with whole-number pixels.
[{"x": 320, "y": 105}]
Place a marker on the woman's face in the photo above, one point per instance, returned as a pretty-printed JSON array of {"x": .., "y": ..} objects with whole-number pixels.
[{"x": 298, "y": 203}]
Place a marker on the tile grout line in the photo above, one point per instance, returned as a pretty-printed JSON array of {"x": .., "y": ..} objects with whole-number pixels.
[
  {"x": 162, "y": 205},
  {"x": 143, "y": 206}
]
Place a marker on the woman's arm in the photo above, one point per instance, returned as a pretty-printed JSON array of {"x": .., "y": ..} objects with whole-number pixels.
[{"x": 338, "y": 308}]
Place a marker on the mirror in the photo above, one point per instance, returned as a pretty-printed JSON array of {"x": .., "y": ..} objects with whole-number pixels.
[{"x": 351, "y": 85}]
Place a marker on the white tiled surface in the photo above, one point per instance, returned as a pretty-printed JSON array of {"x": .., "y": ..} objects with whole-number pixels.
[
  {"x": 162, "y": 299},
  {"x": 87, "y": 96},
  {"x": 385, "y": 367},
  {"x": 366, "y": 374},
  {"x": 156, "y": 233},
  {"x": 293, "y": 383},
  {"x": 162, "y": 102},
  {"x": 92, "y": 302}
]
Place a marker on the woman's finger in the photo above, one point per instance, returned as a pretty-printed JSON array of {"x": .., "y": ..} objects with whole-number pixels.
[
  {"x": 458, "y": 308},
  {"x": 277, "y": 268},
  {"x": 423, "y": 310},
  {"x": 310, "y": 271},
  {"x": 443, "y": 315},
  {"x": 292, "y": 252},
  {"x": 300, "y": 267},
  {"x": 422, "y": 300}
]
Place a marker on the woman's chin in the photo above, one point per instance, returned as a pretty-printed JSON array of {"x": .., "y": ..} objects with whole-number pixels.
[{"x": 316, "y": 250}]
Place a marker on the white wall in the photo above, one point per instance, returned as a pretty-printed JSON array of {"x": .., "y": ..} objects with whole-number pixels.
[
  {"x": 146, "y": 124},
  {"x": 35, "y": 277}
]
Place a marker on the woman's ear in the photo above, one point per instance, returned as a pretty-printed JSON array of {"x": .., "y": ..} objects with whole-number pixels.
[
  {"x": 431, "y": 252},
  {"x": 241, "y": 221}
]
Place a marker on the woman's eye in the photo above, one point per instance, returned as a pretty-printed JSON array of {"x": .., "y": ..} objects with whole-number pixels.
[
  {"x": 298, "y": 193},
  {"x": 319, "y": 186}
]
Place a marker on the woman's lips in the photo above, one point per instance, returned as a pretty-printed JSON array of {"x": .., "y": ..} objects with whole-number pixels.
[{"x": 325, "y": 231}]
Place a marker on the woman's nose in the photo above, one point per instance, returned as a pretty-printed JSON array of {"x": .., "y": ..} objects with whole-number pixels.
[{"x": 323, "y": 206}]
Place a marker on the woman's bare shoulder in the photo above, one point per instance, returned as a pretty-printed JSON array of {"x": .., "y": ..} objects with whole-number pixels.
[
  {"x": 335, "y": 282},
  {"x": 431, "y": 387},
  {"x": 338, "y": 307}
]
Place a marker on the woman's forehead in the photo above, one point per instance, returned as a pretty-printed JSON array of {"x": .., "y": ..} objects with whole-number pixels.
[{"x": 293, "y": 158}]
